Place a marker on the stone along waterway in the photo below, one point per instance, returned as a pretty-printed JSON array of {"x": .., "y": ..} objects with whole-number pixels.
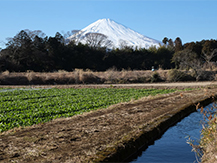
[{"x": 172, "y": 146}]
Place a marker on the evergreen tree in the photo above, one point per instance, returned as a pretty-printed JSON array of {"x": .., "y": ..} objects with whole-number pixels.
[
  {"x": 209, "y": 46},
  {"x": 56, "y": 51},
  {"x": 19, "y": 51},
  {"x": 178, "y": 44},
  {"x": 170, "y": 44},
  {"x": 194, "y": 47},
  {"x": 165, "y": 40}
]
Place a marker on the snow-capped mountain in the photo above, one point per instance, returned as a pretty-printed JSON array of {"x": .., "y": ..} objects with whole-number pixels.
[{"x": 118, "y": 35}]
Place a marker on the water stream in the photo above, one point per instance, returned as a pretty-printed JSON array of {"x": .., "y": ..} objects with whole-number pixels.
[{"x": 172, "y": 146}]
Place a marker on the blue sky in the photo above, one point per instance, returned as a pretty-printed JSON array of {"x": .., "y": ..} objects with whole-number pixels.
[{"x": 191, "y": 20}]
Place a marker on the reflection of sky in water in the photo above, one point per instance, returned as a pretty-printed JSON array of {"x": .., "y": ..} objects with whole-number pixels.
[{"x": 172, "y": 146}]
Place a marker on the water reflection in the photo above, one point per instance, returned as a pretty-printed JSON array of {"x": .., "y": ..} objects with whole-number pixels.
[{"x": 172, "y": 146}]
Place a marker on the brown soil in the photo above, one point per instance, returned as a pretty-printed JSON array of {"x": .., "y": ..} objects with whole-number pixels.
[
  {"x": 163, "y": 85},
  {"x": 81, "y": 138}
]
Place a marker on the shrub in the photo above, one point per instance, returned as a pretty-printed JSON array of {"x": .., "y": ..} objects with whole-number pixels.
[
  {"x": 175, "y": 75},
  {"x": 89, "y": 78},
  {"x": 155, "y": 77},
  {"x": 207, "y": 76}
]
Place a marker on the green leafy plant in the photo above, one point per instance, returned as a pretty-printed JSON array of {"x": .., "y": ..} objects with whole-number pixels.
[{"x": 28, "y": 107}]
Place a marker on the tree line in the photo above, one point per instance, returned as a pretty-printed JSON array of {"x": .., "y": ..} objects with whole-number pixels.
[{"x": 33, "y": 50}]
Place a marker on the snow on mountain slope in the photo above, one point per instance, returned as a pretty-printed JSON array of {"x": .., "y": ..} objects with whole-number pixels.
[{"x": 117, "y": 33}]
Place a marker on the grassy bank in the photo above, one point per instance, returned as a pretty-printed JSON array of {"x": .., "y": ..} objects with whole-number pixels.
[
  {"x": 206, "y": 150},
  {"x": 208, "y": 142}
]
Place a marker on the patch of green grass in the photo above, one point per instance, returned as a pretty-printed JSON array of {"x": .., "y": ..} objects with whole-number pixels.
[{"x": 28, "y": 107}]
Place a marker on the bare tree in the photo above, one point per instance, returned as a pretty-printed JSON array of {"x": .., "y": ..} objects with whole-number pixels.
[
  {"x": 123, "y": 45},
  {"x": 1, "y": 42},
  {"x": 208, "y": 57},
  {"x": 34, "y": 33},
  {"x": 97, "y": 40},
  {"x": 189, "y": 60},
  {"x": 72, "y": 35}
]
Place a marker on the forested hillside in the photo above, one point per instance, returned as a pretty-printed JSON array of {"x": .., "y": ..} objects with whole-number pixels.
[{"x": 32, "y": 50}]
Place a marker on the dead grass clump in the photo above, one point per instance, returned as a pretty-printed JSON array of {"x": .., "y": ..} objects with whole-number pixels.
[
  {"x": 111, "y": 75},
  {"x": 34, "y": 78},
  {"x": 209, "y": 140},
  {"x": 62, "y": 71},
  {"x": 88, "y": 78},
  {"x": 126, "y": 76},
  {"x": 163, "y": 74},
  {"x": 85, "y": 77},
  {"x": 6, "y": 73},
  {"x": 207, "y": 148},
  {"x": 77, "y": 74},
  {"x": 175, "y": 75},
  {"x": 60, "y": 77},
  {"x": 48, "y": 79},
  {"x": 30, "y": 75},
  {"x": 209, "y": 143},
  {"x": 133, "y": 76}
]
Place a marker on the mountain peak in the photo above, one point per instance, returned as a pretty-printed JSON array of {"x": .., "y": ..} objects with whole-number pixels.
[
  {"x": 118, "y": 34},
  {"x": 105, "y": 20}
]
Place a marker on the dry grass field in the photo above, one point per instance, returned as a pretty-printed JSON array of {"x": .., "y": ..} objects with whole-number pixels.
[{"x": 111, "y": 76}]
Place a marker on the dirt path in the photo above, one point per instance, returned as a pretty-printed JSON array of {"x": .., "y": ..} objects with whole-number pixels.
[
  {"x": 179, "y": 85},
  {"x": 85, "y": 137}
]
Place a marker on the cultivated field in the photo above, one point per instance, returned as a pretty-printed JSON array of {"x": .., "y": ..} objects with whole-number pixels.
[
  {"x": 25, "y": 107},
  {"x": 87, "y": 136}
]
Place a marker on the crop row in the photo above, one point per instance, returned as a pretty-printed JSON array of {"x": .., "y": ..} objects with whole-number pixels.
[{"x": 28, "y": 107}]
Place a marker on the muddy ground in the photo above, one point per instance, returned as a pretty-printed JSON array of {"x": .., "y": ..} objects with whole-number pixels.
[{"x": 83, "y": 138}]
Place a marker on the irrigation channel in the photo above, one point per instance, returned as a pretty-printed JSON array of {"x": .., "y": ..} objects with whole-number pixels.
[{"x": 173, "y": 146}]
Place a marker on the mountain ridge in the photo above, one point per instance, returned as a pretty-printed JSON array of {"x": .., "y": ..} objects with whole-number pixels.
[{"x": 118, "y": 34}]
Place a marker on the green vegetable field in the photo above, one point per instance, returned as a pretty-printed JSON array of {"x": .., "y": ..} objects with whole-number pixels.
[{"x": 27, "y": 107}]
